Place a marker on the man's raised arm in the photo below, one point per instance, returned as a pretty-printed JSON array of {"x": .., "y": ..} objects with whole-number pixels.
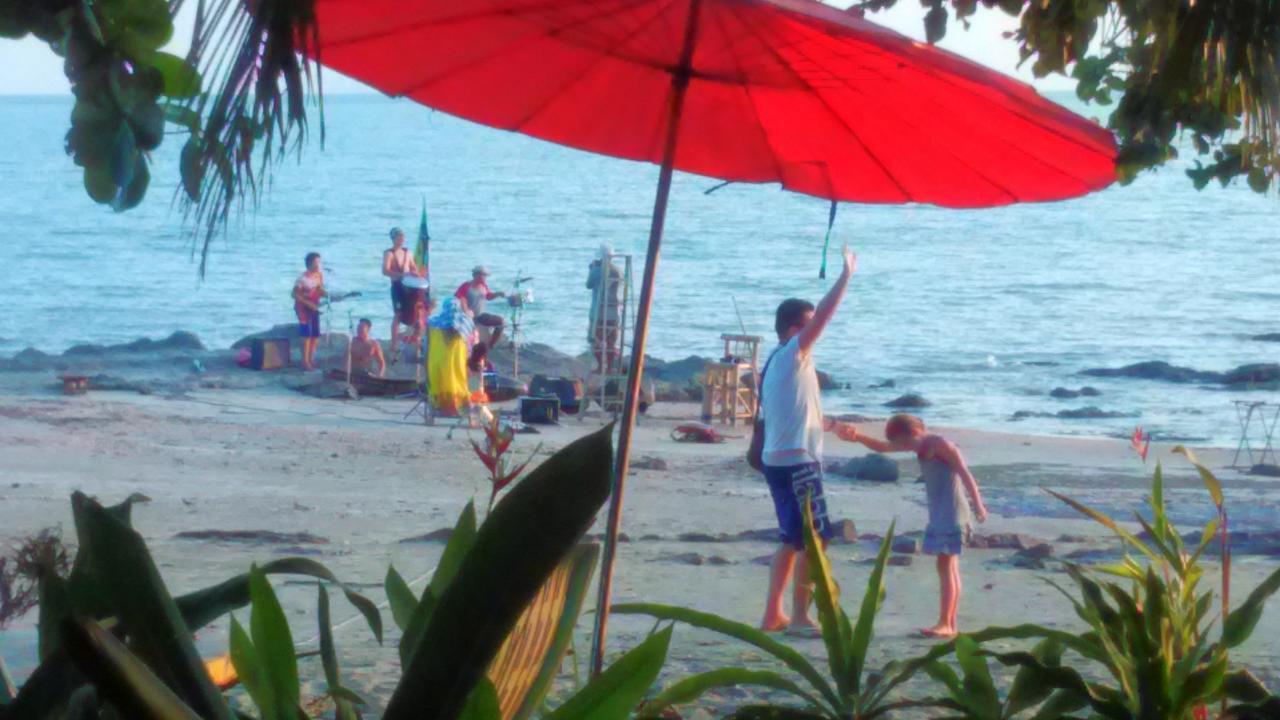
[{"x": 827, "y": 307}]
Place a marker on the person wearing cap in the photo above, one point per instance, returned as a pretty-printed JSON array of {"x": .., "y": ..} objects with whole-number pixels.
[
  {"x": 398, "y": 263},
  {"x": 472, "y": 296}
]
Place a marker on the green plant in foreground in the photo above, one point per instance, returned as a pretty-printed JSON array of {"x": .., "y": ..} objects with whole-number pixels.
[
  {"x": 851, "y": 693},
  {"x": 1148, "y": 635}
]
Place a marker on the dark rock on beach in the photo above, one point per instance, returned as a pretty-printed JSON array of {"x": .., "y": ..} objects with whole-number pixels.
[
  {"x": 1267, "y": 337},
  {"x": 1068, "y": 394},
  {"x": 253, "y": 536},
  {"x": 906, "y": 545},
  {"x": 1156, "y": 370},
  {"x": 1084, "y": 413},
  {"x": 179, "y": 340},
  {"x": 900, "y": 560},
  {"x": 1004, "y": 541},
  {"x": 872, "y": 468},
  {"x": 908, "y": 401},
  {"x": 441, "y": 535},
  {"x": 1255, "y": 374},
  {"x": 882, "y": 385},
  {"x": 1265, "y": 470}
]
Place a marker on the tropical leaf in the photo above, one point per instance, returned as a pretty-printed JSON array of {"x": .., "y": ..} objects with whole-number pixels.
[
  {"x": 273, "y": 642},
  {"x": 979, "y": 692},
  {"x": 1211, "y": 482},
  {"x": 689, "y": 689},
  {"x": 459, "y": 544},
  {"x": 252, "y": 672},
  {"x": 123, "y": 570},
  {"x": 1240, "y": 624},
  {"x": 615, "y": 693},
  {"x": 120, "y": 676},
  {"x": 343, "y": 709},
  {"x": 521, "y": 542},
  {"x": 1106, "y": 522},
  {"x": 871, "y": 600},
  {"x": 836, "y": 633},
  {"x": 483, "y": 703},
  {"x": 400, "y": 597},
  {"x": 202, "y": 607},
  {"x": 739, "y": 631}
]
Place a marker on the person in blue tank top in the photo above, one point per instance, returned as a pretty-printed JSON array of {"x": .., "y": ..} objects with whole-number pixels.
[{"x": 947, "y": 482}]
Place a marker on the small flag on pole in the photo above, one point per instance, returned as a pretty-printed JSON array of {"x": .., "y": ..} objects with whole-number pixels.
[{"x": 422, "y": 253}]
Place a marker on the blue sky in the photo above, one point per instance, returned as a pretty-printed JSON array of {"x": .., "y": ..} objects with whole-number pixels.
[{"x": 31, "y": 68}]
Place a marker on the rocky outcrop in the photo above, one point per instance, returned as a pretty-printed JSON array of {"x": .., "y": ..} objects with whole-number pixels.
[
  {"x": 908, "y": 402},
  {"x": 872, "y": 468}
]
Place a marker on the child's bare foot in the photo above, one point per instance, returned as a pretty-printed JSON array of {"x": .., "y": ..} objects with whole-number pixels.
[
  {"x": 939, "y": 631},
  {"x": 775, "y": 622}
]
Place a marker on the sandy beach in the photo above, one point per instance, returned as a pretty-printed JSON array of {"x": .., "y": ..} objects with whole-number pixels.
[{"x": 233, "y": 449}]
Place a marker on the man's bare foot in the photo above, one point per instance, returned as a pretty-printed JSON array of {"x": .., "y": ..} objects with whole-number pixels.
[
  {"x": 775, "y": 623},
  {"x": 939, "y": 631},
  {"x": 804, "y": 622}
]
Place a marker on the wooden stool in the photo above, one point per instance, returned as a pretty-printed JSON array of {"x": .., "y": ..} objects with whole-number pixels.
[
  {"x": 729, "y": 385},
  {"x": 74, "y": 384}
]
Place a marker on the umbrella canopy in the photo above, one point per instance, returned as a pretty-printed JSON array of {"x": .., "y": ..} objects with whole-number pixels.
[{"x": 787, "y": 91}]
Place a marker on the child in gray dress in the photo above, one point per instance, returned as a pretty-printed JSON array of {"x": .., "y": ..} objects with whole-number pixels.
[{"x": 947, "y": 480}]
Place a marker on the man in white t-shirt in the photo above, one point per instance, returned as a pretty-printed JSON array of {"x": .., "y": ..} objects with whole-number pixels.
[{"x": 793, "y": 426}]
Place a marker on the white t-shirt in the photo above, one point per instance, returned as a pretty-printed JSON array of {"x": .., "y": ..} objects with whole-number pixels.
[{"x": 791, "y": 408}]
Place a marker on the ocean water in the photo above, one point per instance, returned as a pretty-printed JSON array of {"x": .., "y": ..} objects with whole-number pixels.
[{"x": 983, "y": 312}]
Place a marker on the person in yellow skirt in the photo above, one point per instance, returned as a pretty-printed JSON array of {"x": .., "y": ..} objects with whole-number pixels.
[{"x": 452, "y": 331}]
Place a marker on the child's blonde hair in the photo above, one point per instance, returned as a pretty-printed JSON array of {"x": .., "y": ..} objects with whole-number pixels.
[{"x": 903, "y": 426}]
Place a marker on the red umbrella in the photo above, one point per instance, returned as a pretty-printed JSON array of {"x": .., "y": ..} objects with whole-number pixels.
[{"x": 787, "y": 91}]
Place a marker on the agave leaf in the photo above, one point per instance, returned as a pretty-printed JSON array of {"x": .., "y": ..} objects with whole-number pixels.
[
  {"x": 460, "y": 542},
  {"x": 979, "y": 689},
  {"x": 1168, "y": 552},
  {"x": 691, "y": 688},
  {"x": 1025, "y": 693},
  {"x": 836, "y": 634},
  {"x": 1059, "y": 704},
  {"x": 1211, "y": 482},
  {"x": 520, "y": 544},
  {"x": 1240, "y": 623},
  {"x": 772, "y": 712},
  {"x": 1067, "y": 680},
  {"x": 948, "y": 677},
  {"x": 128, "y": 578},
  {"x": 120, "y": 676},
  {"x": 329, "y": 657},
  {"x": 871, "y": 600},
  {"x": 400, "y": 597},
  {"x": 614, "y": 693},
  {"x": 1202, "y": 686},
  {"x": 740, "y": 631},
  {"x": 202, "y": 607},
  {"x": 1244, "y": 686}
]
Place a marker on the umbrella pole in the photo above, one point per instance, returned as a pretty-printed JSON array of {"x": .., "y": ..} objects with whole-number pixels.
[{"x": 679, "y": 84}]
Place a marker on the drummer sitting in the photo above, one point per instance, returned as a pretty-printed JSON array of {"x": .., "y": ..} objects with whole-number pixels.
[{"x": 365, "y": 351}]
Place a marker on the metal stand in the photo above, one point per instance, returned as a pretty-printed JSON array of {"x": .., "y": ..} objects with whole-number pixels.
[
  {"x": 1246, "y": 411},
  {"x": 516, "y": 302}
]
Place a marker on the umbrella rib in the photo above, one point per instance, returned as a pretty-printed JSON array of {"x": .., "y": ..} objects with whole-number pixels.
[
  {"x": 933, "y": 74},
  {"x": 420, "y": 84},
  {"x": 595, "y": 63},
  {"x": 813, "y": 91},
  {"x": 746, "y": 91},
  {"x": 799, "y": 48}
]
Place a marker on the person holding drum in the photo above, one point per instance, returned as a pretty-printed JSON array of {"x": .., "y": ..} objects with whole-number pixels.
[
  {"x": 408, "y": 290},
  {"x": 307, "y": 292}
]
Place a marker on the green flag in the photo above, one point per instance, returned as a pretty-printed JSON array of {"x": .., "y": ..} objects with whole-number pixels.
[{"x": 422, "y": 253}]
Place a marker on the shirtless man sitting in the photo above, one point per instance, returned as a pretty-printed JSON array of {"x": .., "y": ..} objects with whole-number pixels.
[{"x": 365, "y": 351}]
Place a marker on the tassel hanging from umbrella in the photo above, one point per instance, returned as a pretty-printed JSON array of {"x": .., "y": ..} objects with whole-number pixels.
[{"x": 790, "y": 91}]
